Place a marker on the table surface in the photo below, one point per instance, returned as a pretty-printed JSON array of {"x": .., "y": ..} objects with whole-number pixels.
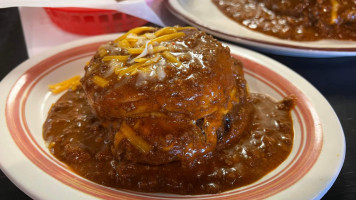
[{"x": 335, "y": 78}]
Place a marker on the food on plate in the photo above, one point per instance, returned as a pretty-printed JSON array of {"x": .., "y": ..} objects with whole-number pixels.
[
  {"x": 300, "y": 20},
  {"x": 167, "y": 110}
]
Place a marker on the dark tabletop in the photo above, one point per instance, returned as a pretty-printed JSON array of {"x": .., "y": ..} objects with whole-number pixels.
[{"x": 335, "y": 78}]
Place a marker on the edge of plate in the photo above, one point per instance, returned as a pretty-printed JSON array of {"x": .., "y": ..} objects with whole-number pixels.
[
  {"x": 8, "y": 81},
  {"x": 329, "y": 123}
]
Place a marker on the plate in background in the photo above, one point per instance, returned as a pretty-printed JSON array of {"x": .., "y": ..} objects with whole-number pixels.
[{"x": 206, "y": 16}]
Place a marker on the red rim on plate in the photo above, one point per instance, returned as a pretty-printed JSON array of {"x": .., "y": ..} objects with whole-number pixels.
[{"x": 306, "y": 153}]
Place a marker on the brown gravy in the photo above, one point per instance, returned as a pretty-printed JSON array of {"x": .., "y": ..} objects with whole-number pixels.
[
  {"x": 78, "y": 138},
  {"x": 300, "y": 20}
]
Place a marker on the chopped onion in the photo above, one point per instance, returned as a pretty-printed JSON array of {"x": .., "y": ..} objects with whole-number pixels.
[
  {"x": 161, "y": 74},
  {"x": 150, "y": 35},
  {"x": 150, "y": 49},
  {"x": 143, "y": 54},
  {"x": 139, "y": 42},
  {"x": 112, "y": 66},
  {"x": 142, "y": 78},
  {"x": 133, "y": 36}
]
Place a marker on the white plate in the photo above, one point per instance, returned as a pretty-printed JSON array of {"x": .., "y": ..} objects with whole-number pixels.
[
  {"x": 310, "y": 170},
  {"x": 206, "y": 16}
]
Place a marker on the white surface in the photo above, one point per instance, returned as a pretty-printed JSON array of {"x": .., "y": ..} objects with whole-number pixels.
[
  {"x": 56, "y": 3},
  {"x": 32, "y": 180},
  {"x": 210, "y": 19},
  {"x": 41, "y": 33},
  {"x": 145, "y": 9}
]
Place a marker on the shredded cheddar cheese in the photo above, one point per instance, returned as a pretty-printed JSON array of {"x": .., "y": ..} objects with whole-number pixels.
[
  {"x": 137, "y": 125},
  {"x": 169, "y": 147},
  {"x": 117, "y": 70},
  {"x": 233, "y": 99},
  {"x": 100, "y": 81},
  {"x": 135, "y": 50},
  {"x": 71, "y": 83},
  {"x": 185, "y": 27},
  {"x": 137, "y": 30},
  {"x": 142, "y": 48},
  {"x": 165, "y": 30},
  {"x": 170, "y": 58},
  {"x": 51, "y": 145},
  {"x": 118, "y": 138},
  {"x": 133, "y": 68},
  {"x": 132, "y": 40},
  {"x": 167, "y": 37},
  {"x": 135, "y": 140},
  {"x": 102, "y": 51},
  {"x": 119, "y": 58},
  {"x": 141, "y": 59},
  {"x": 123, "y": 44},
  {"x": 334, "y": 10}
]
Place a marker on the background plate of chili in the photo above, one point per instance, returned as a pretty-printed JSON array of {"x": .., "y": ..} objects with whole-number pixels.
[{"x": 206, "y": 16}]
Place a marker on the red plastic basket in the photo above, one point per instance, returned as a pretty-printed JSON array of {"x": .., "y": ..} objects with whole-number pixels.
[{"x": 86, "y": 21}]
